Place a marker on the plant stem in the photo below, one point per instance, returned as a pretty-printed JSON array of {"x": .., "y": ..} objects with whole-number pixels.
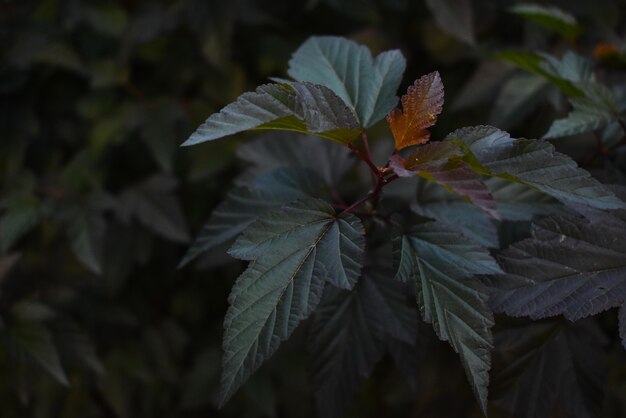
[
  {"x": 380, "y": 176},
  {"x": 367, "y": 146},
  {"x": 365, "y": 158},
  {"x": 362, "y": 200}
]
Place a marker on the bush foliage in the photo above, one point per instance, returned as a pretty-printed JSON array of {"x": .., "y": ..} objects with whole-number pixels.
[{"x": 408, "y": 252}]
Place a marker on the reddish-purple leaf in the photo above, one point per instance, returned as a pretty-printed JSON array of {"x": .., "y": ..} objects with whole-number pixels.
[
  {"x": 421, "y": 104},
  {"x": 440, "y": 162}
]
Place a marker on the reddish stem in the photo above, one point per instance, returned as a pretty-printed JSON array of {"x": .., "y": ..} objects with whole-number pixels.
[
  {"x": 367, "y": 146},
  {"x": 365, "y": 158},
  {"x": 380, "y": 175}
]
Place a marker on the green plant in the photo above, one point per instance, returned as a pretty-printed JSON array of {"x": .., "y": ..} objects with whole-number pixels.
[{"x": 429, "y": 217}]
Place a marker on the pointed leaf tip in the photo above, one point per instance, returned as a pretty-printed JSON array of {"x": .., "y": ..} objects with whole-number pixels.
[{"x": 421, "y": 104}]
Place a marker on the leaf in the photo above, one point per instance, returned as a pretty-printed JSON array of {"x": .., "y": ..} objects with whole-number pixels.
[
  {"x": 482, "y": 86},
  {"x": 285, "y": 149},
  {"x": 595, "y": 110},
  {"x": 517, "y": 99},
  {"x": 294, "y": 251},
  {"x": 534, "y": 63},
  {"x": 85, "y": 228},
  {"x": 421, "y": 104},
  {"x": 550, "y": 368},
  {"x": 532, "y": 163},
  {"x": 551, "y": 18},
  {"x": 76, "y": 346},
  {"x": 439, "y": 162},
  {"x": 154, "y": 204},
  {"x": 437, "y": 203},
  {"x": 517, "y": 202},
  {"x": 22, "y": 213},
  {"x": 344, "y": 346},
  {"x": 571, "y": 67},
  {"x": 27, "y": 333},
  {"x": 350, "y": 333},
  {"x": 7, "y": 262},
  {"x": 244, "y": 204},
  {"x": 454, "y": 17},
  {"x": 569, "y": 266},
  {"x": 367, "y": 85},
  {"x": 442, "y": 262},
  {"x": 301, "y": 107}
]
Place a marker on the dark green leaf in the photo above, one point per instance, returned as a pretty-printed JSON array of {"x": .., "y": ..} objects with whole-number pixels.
[
  {"x": 570, "y": 266},
  {"x": 154, "y": 204},
  {"x": 294, "y": 251},
  {"x": 534, "y": 63},
  {"x": 344, "y": 345},
  {"x": 549, "y": 369},
  {"x": 533, "y": 163},
  {"x": 85, "y": 230},
  {"x": 21, "y": 214},
  {"x": 285, "y": 149},
  {"x": 350, "y": 332},
  {"x": 551, "y": 18},
  {"x": 593, "y": 111},
  {"x": 517, "y": 99},
  {"x": 482, "y": 86},
  {"x": 517, "y": 202},
  {"x": 28, "y": 333},
  {"x": 367, "y": 85},
  {"x": 244, "y": 204},
  {"x": 442, "y": 262},
  {"x": 454, "y": 17},
  {"x": 570, "y": 66},
  {"x": 437, "y": 203},
  {"x": 76, "y": 346},
  {"x": 302, "y": 107}
]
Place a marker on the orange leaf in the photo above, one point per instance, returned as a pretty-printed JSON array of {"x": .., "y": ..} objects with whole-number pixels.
[{"x": 421, "y": 104}]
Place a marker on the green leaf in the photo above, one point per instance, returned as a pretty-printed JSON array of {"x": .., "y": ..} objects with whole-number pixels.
[
  {"x": 286, "y": 149},
  {"x": 439, "y": 162},
  {"x": 244, "y": 204},
  {"x": 571, "y": 67},
  {"x": 535, "y": 64},
  {"x": 442, "y": 262},
  {"x": 27, "y": 333},
  {"x": 454, "y": 17},
  {"x": 344, "y": 345},
  {"x": 301, "y": 107},
  {"x": 154, "y": 204},
  {"x": 351, "y": 331},
  {"x": 532, "y": 163},
  {"x": 437, "y": 203},
  {"x": 551, "y": 18},
  {"x": 367, "y": 85},
  {"x": 595, "y": 110},
  {"x": 85, "y": 228},
  {"x": 22, "y": 213},
  {"x": 570, "y": 266},
  {"x": 76, "y": 346},
  {"x": 517, "y": 202},
  {"x": 294, "y": 251},
  {"x": 549, "y": 369},
  {"x": 517, "y": 99}
]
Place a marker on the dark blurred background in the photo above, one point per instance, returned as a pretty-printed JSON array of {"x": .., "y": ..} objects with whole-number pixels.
[{"x": 98, "y": 204}]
